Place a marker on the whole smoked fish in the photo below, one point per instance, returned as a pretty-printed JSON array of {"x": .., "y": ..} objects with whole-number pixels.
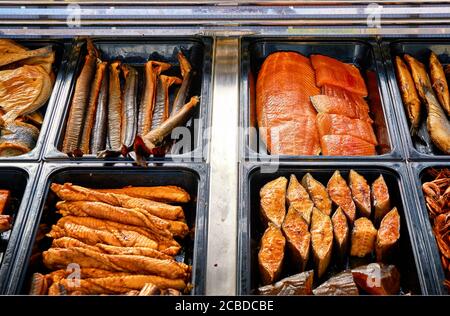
[
  {"x": 187, "y": 74},
  {"x": 99, "y": 130},
  {"x": 129, "y": 110},
  {"x": 272, "y": 201},
  {"x": 341, "y": 195},
  {"x": 161, "y": 109},
  {"x": 115, "y": 104},
  {"x": 271, "y": 254},
  {"x": 439, "y": 82}
]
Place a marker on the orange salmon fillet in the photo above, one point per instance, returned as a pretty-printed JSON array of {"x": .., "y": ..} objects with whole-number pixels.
[
  {"x": 345, "y": 145},
  {"x": 334, "y": 72},
  {"x": 334, "y": 124},
  {"x": 284, "y": 111},
  {"x": 336, "y": 105}
]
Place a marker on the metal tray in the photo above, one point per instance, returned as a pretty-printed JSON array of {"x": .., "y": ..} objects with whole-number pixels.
[
  {"x": 412, "y": 263},
  {"x": 62, "y": 48},
  {"x": 136, "y": 52},
  {"x": 20, "y": 179},
  {"x": 418, "y": 173},
  {"x": 419, "y": 49},
  {"x": 364, "y": 54},
  {"x": 193, "y": 178}
]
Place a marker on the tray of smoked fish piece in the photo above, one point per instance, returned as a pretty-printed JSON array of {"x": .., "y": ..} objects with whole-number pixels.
[
  {"x": 318, "y": 99},
  {"x": 408, "y": 63},
  {"x": 16, "y": 186},
  {"x": 116, "y": 231},
  {"x": 30, "y": 103},
  {"x": 316, "y": 229},
  {"x": 431, "y": 181},
  {"x": 134, "y": 99}
]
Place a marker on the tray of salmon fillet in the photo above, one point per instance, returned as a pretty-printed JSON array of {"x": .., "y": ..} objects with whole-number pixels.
[
  {"x": 316, "y": 229},
  {"x": 133, "y": 100},
  {"x": 432, "y": 183},
  {"x": 31, "y": 73},
  {"x": 16, "y": 185},
  {"x": 419, "y": 75},
  {"x": 115, "y": 231},
  {"x": 321, "y": 99}
]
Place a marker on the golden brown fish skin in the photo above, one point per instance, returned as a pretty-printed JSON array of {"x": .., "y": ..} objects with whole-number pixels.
[
  {"x": 419, "y": 75},
  {"x": 321, "y": 240},
  {"x": 186, "y": 73},
  {"x": 17, "y": 138},
  {"x": 298, "y": 237},
  {"x": 409, "y": 94},
  {"x": 164, "y": 194},
  {"x": 318, "y": 193},
  {"x": 99, "y": 130},
  {"x": 297, "y": 284},
  {"x": 70, "y": 192},
  {"x": 271, "y": 254},
  {"x": 129, "y": 109},
  {"x": 363, "y": 238},
  {"x": 360, "y": 193},
  {"x": 340, "y": 232},
  {"x": 161, "y": 109},
  {"x": 115, "y": 105},
  {"x": 6, "y": 58},
  {"x": 341, "y": 195},
  {"x": 388, "y": 235},
  {"x": 92, "y": 107},
  {"x": 338, "y": 285},
  {"x": 152, "y": 70},
  {"x": 272, "y": 201},
  {"x": 437, "y": 123},
  {"x": 39, "y": 284},
  {"x": 380, "y": 199},
  {"x": 439, "y": 82}
]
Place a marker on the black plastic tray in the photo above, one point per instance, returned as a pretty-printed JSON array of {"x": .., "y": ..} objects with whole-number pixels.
[
  {"x": 62, "y": 48},
  {"x": 136, "y": 52},
  {"x": 419, "y": 49},
  {"x": 20, "y": 179},
  {"x": 364, "y": 54},
  {"x": 416, "y": 274},
  {"x": 192, "y": 178},
  {"x": 418, "y": 172}
]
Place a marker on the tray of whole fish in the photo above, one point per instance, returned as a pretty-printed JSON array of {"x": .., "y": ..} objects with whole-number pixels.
[
  {"x": 418, "y": 74},
  {"x": 16, "y": 187},
  {"x": 31, "y": 72},
  {"x": 114, "y": 230},
  {"x": 316, "y": 99},
  {"x": 432, "y": 195},
  {"x": 316, "y": 229},
  {"x": 134, "y": 99}
]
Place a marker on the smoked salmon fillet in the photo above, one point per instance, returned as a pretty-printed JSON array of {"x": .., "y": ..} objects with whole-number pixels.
[
  {"x": 336, "y": 105},
  {"x": 334, "y": 72},
  {"x": 345, "y": 145},
  {"x": 334, "y": 124},
  {"x": 285, "y": 115}
]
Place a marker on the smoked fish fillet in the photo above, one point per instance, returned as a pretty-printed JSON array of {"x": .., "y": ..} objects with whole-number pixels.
[
  {"x": 351, "y": 98},
  {"x": 346, "y": 145},
  {"x": 271, "y": 254},
  {"x": 341, "y": 195},
  {"x": 272, "y": 203},
  {"x": 334, "y": 72},
  {"x": 165, "y": 194},
  {"x": 70, "y": 192},
  {"x": 333, "y": 124},
  {"x": 122, "y": 284},
  {"x": 59, "y": 258},
  {"x": 286, "y": 118},
  {"x": 336, "y": 105}
]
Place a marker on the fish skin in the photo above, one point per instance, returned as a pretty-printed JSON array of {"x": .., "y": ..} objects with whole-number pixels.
[
  {"x": 318, "y": 193},
  {"x": 341, "y": 233},
  {"x": 164, "y": 194},
  {"x": 388, "y": 235},
  {"x": 419, "y": 75},
  {"x": 298, "y": 197},
  {"x": 187, "y": 74},
  {"x": 437, "y": 123},
  {"x": 129, "y": 123},
  {"x": 271, "y": 254},
  {"x": 363, "y": 238},
  {"x": 17, "y": 138},
  {"x": 161, "y": 110},
  {"x": 346, "y": 145},
  {"x": 332, "y": 71},
  {"x": 78, "y": 105},
  {"x": 115, "y": 104},
  {"x": 285, "y": 115},
  {"x": 341, "y": 195},
  {"x": 321, "y": 240},
  {"x": 338, "y": 285},
  {"x": 409, "y": 94},
  {"x": 152, "y": 70},
  {"x": 380, "y": 199},
  {"x": 39, "y": 285},
  {"x": 439, "y": 82},
  {"x": 91, "y": 110},
  {"x": 298, "y": 237},
  {"x": 360, "y": 193},
  {"x": 99, "y": 130},
  {"x": 378, "y": 279},
  {"x": 6, "y": 58},
  {"x": 297, "y": 284},
  {"x": 272, "y": 201},
  {"x": 334, "y": 124}
]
